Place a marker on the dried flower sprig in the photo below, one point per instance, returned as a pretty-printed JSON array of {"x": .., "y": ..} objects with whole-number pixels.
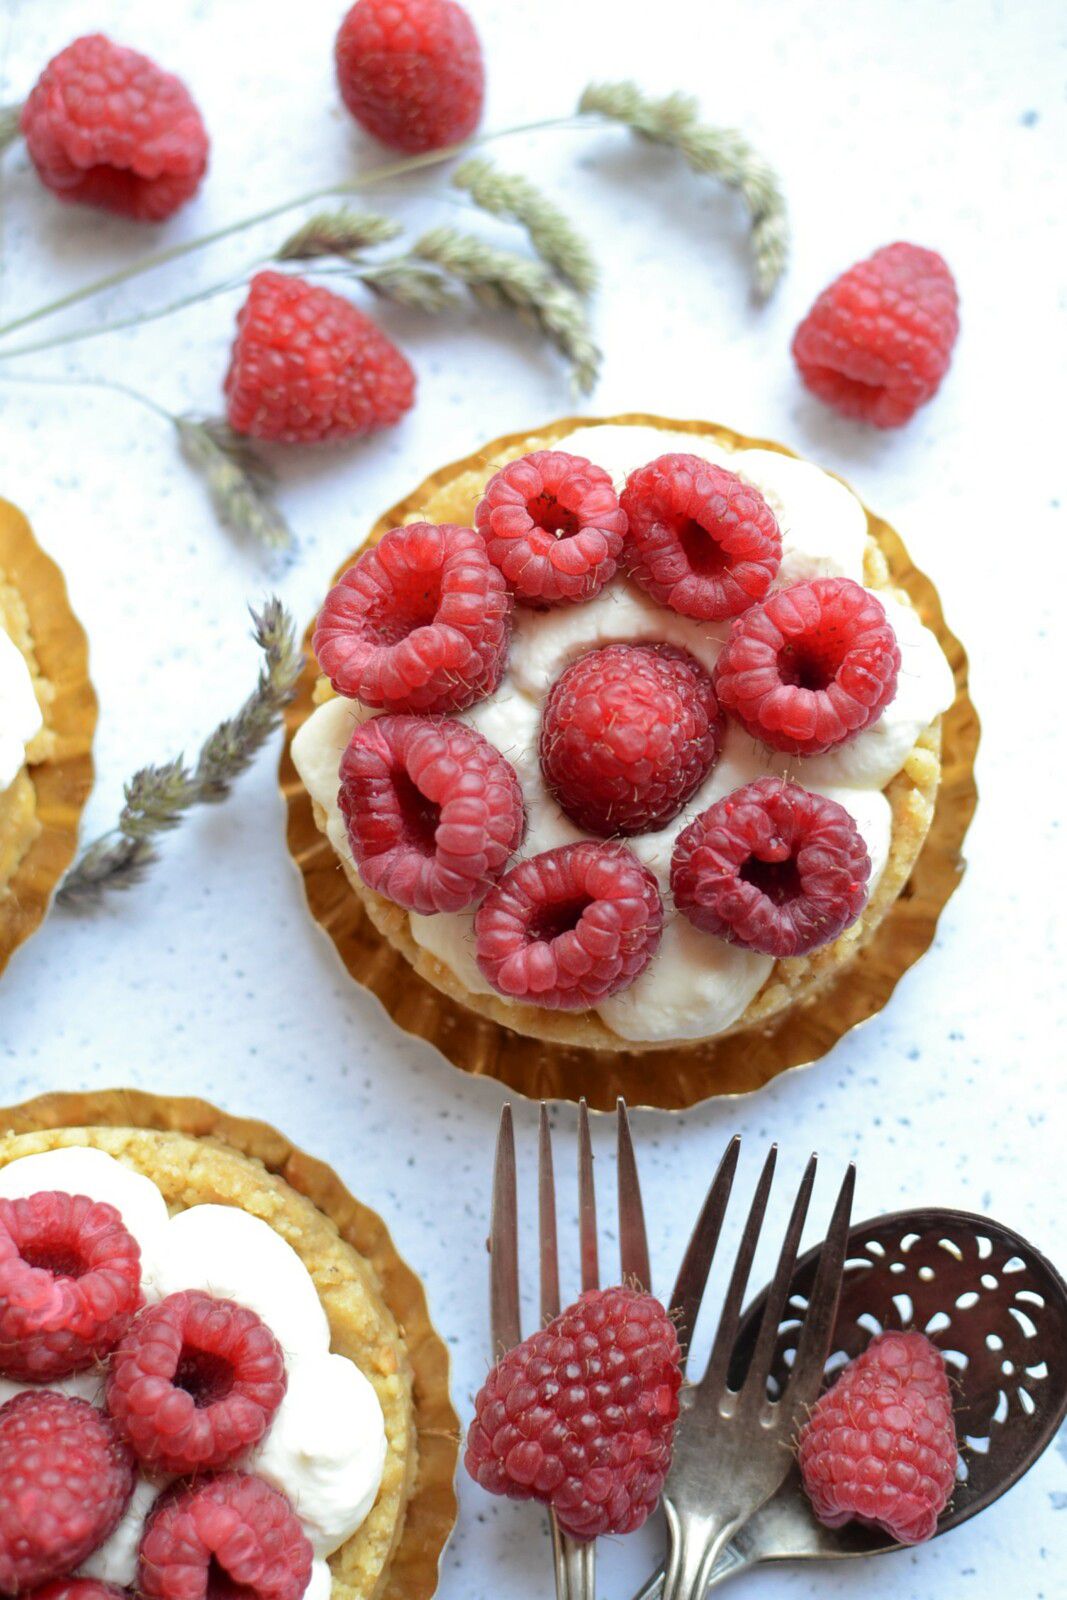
[
  {"x": 9, "y": 125},
  {"x": 239, "y": 482},
  {"x": 719, "y": 152},
  {"x": 551, "y": 232},
  {"x": 157, "y": 797},
  {"x": 338, "y": 233}
]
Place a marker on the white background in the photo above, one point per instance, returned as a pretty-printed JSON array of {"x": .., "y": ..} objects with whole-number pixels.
[{"x": 940, "y": 122}]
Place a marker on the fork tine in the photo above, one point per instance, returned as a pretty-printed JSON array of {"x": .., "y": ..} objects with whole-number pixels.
[
  {"x": 813, "y": 1348},
  {"x": 546, "y": 1207},
  {"x": 726, "y": 1333},
  {"x": 504, "y": 1244},
  {"x": 586, "y": 1203},
  {"x": 756, "y": 1379},
  {"x": 633, "y": 1237},
  {"x": 692, "y": 1276}
]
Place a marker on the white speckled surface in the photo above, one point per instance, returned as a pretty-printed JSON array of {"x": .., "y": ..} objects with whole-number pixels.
[{"x": 942, "y": 121}]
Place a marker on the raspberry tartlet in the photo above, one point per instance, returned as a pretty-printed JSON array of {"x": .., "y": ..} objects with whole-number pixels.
[{"x": 722, "y": 716}]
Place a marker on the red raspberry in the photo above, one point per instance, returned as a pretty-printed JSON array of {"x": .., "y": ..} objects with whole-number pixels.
[
  {"x": 581, "y": 1415},
  {"x": 228, "y": 1535},
  {"x": 410, "y": 72},
  {"x": 419, "y": 623},
  {"x": 771, "y": 868},
  {"x": 195, "y": 1383},
  {"x": 811, "y": 667},
  {"x": 309, "y": 367},
  {"x": 628, "y": 735},
  {"x": 65, "y": 1479},
  {"x": 106, "y": 126},
  {"x": 566, "y": 928},
  {"x": 80, "y": 1589},
  {"x": 880, "y": 1445},
  {"x": 877, "y": 343},
  {"x": 552, "y": 524},
  {"x": 70, "y": 1283},
  {"x": 699, "y": 540}
]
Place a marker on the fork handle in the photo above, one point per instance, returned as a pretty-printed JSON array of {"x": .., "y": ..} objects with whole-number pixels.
[
  {"x": 575, "y": 1563},
  {"x": 730, "y": 1562}
]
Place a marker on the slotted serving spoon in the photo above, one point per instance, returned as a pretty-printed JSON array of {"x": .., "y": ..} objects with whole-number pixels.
[{"x": 995, "y": 1307}]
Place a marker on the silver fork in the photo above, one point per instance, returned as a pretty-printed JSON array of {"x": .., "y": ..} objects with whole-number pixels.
[{"x": 575, "y": 1560}]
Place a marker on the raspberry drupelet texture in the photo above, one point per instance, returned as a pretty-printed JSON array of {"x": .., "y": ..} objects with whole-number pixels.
[
  {"x": 566, "y": 928},
  {"x": 699, "y": 539},
  {"x": 106, "y": 126},
  {"x": 628, "y": 735},
  {"x": 811, "y": 667},
  {"x": 226, "y": 1535},
  {"x": 877, "y": 343},
  {"x": 553, "y": 525},
  {"x": 420, "y": 622},
  {"x": 433, "y": 811},
  {"x": 880, "y": 1445},
  {"x": 308, "y": 367},
  {"x": 65, "y": 1479},
  {"x": 79, "y": 1589},
  {"x": 70, "y": 1283},
  {"x": 411, "y": 72},
  {"x": 195, "y": 1383},
  {"x": 581, "y": 1415},
  {"x": 771, "y": 867}
]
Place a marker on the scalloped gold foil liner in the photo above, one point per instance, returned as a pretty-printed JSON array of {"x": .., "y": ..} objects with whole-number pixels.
[
  {"x": 414, "y": 1567},
  {"x": 666, "y": 1080},
  {"x": 63, "y": 782}
]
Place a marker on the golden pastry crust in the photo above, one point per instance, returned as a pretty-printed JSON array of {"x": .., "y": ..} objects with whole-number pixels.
[
  {"x": 195, "y": 1171},
  {"x": 19, "y": 825}
]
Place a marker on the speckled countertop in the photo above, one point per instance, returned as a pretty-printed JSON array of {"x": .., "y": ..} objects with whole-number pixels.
[{"x": 942, "y": 122}]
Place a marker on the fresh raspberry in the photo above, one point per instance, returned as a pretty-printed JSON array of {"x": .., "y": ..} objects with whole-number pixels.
[
  {"x": 410, "y": 72},
  {"x": 308, "y": 366},
  {"x": 566, "y": 928},
  {"x": 699, "y": 539},
  {"x": 79, "y": 1589},
  {"x": 772, "y": 868},
  {"x": 581, "y": 1415},
  {"x": 628, "y": 735},
  {"x": 553, "y": 525},
  {"x": 106, "y": 126},
  {"x": 195, "y": 1383},
  {"x": 65, "y": 1479},
  {"x": 420, "y": 623},
  {"x": 880, "y": 1445},
  {"x": 877, "y": 343},
  {"x": 70, "y": 1283},
  {"x": 811, "y": 667},
  {"x": 228, "y": 1535}
]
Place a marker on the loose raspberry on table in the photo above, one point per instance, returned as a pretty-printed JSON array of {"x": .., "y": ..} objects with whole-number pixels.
[
  {"x": 70, "y": 1283},
  {"x": 106, "y": 126},
  {"x": 227, "y": 1535},
  {"x": 195, "y": 1383},
  {"x": 309, "y": 367},
  {"x": 772, "y": 868},
  {"x": 411, "y": 72},
  {"x": 80, "y": 1589},
  {"x": 65, "y": 1479},
  {"x": 699, "y": 540},
  {"x": 420, "y": 622},
  {"x": 581, "y": 1415},
  {"x": 880, "y": 1445},
  {"x": 569, "y": 927},
  {"x": 811, "y": 667},
  {"x": 553, "y": 525},
  {"x": 877, "y": 343},
  {"x": 628, "y": 735}
]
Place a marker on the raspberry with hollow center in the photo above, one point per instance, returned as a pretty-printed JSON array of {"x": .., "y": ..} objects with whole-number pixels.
[
  {"x": 65, "y": 1479},
  {"x": 195, "y": 1383},
  {"x": 70, "y": 1283},
  {"x": 230, "y": 1535},
  {"x": 880, "y": 1444},
  {"x": 433, "y": 811},
  {"x": 699, "y": 540},
  {"x": 420, "y": 622},
  {"x": 811, "y": 667},
  {"x": 553, "y": 525},
  {"x": 308, "y": 367},
  {"x": 772, "y": 868},
  {"x": 107, "y": 127},
  {"x": 411, "y": 72},
  {"x": 628, "y": 735},
  {"x": 581, "y": 1415},
  {"x": 569, "y": 927}
]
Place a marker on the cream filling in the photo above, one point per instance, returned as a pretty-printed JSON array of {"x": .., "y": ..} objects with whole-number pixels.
[{"x": 20, "y": 715}]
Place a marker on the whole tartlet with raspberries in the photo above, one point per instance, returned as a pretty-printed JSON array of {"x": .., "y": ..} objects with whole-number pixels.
[{"x": 625, "y": 737}]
